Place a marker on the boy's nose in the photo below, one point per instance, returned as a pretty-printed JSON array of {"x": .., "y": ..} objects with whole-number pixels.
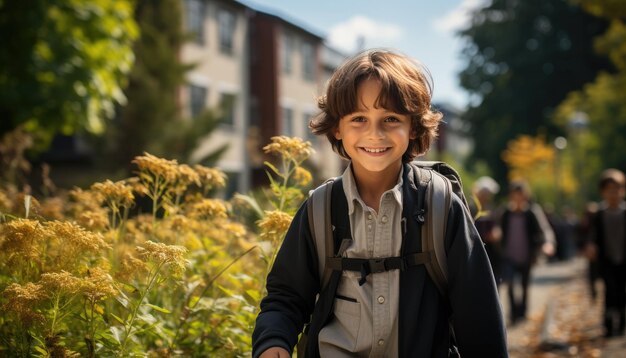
[{"x": 376, "y": 131}]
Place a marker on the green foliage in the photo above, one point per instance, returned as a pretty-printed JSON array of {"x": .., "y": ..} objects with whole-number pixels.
[
  {"x": 63, "y": 64},
  {"x": 603, "y": 100},
  {"x": 80, "y": 277},
  {"x": 523, "y": 58},
  {"x": 284, "y": 195}
]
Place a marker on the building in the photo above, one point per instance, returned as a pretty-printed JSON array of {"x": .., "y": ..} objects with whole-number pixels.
[
  {"x": 264, "y": 73},
  {"x": 220, "y": 80}
]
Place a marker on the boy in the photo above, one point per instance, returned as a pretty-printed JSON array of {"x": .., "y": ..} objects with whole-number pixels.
[
  {"x": 608, "y": 233},
  {"x": 376, "y": 113}
]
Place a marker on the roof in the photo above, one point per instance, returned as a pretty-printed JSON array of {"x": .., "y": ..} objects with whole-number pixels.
[{"x": 281, "y": 17}]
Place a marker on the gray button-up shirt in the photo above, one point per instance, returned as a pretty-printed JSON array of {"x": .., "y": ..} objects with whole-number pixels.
[{"x": 366, "y": 317}]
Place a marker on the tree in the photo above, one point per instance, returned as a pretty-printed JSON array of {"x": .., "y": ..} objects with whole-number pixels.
[
  {"x": 151, "y": 120},
  {"x": 603, "y": 100},
  {"x": 537, "y": 162},
  {"x": 63, "y": 64},
  {"x": 523, "y": 57}
]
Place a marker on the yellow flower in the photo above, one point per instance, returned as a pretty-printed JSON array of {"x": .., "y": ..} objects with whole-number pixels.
[
  {"x": 22, "y": 299},
  {"x": 302, "y": 177},
  {"x": 76, "y": 239},
  {"x": 24, "y": 294},
  {"x": 118, "y": 193},
  {"x": 274, "y": 224},
  {"x": 136, "y": 185},
  {"x": 210, "y": 177},
  {"x": 22, "y": 240},
  {"x": 98, "y": 285},
  {"x": 234, "y": 229},
  {"x": 130, "y": 266},
  {"x": 61, "y": 282},
  {"x": 82, "y": 200},
  {"x": 187, "y": 176},
  {"x": 209, "y": 209},
  {"x": 178, "y": 222},
  {"x": 291, "y": 148},
  {"x": 96, "y": 220},
  {"x": 52, "y": 208},
  {"x": 170, "y": 255},
  {"x": 158, "y": 167}
]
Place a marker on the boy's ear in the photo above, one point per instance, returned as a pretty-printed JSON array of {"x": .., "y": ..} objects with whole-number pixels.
[
  {"x": 337, "y": 133},
  {"x": 413, "y": 135}
]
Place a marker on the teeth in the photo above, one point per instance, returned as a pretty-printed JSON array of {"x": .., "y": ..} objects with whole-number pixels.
[{"x": 375, "y": 150}]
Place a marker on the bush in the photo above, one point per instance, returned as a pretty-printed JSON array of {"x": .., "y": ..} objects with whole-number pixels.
[{"x": 84, "y": 274}]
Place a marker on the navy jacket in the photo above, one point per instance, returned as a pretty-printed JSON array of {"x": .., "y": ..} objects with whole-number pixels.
[
  {"x": 535, "y": 237},
  {"x": 600, "y": 237},
  {"x": 294, "y": 282}
]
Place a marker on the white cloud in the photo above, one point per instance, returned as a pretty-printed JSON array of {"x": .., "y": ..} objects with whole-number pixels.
[
  {"x": 459, "y": 17},
  {"x": 346, "y": 35}
]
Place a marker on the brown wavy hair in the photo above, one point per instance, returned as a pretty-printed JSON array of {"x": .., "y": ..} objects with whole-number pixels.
[{"x": 406, "y": 89}]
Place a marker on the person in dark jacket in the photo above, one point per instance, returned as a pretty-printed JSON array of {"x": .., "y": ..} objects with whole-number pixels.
[
  {"x": 377, "y": 114},
  {"x": 608, "y": 234},
  {"x": 484, "y": 190},
  {"x": 525, "y": 233}
]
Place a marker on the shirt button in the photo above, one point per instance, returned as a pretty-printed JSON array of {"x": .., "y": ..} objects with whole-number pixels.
[
  {"x": 369, "y": 217},
  {"x": 381, "y": 299},
  {"x": 381, "y": 342},
  {"x": 384, "y": 219},
  {"x": 369, "y": 227}
]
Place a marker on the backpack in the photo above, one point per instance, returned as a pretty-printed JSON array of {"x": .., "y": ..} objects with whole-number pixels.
[{"x": 440, "y": 181}]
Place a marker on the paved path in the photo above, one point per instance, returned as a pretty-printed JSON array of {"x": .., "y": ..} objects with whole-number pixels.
[{"x": 562, "y": 321}]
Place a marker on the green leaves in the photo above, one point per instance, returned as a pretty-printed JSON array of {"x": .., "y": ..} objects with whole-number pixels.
[
  {"x": 522, "y": 59},
  {"x": 66, "y": 71},
  {"x": 157, "y": 308}
]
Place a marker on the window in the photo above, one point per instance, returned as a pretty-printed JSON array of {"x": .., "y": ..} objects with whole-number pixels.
[
  {"x": 226, "y": 22},
  {"x": 308, "y": 61},
  {"x": 287, "y": 121},
  {"x": 197, "y": 100},
  {"x": 285, "y": 53},
  {"x": 227, "y": 108},
  {"x": 195, "y": 19}
]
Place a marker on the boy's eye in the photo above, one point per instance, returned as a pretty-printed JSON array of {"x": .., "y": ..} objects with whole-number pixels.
[
  {"x": 358, "y": 119},
  {"x": 392, "y": 119}
]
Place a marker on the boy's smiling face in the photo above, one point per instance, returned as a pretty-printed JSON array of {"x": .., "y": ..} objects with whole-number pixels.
[{"x": 374, "y": 138}]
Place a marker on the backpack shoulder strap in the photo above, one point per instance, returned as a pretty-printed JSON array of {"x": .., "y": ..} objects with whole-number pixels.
[
  {"x": 439, "y": 193},
  {"x": 437, "y": 204},
  {"x": 319, "y": 211},
  {"x": 327, "y": 207}
]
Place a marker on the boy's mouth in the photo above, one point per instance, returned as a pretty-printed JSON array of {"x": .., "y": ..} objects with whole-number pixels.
[{"x": 375, "y": 150}]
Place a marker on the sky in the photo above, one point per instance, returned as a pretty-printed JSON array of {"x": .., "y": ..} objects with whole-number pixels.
[{"x": 422, "y": 29}]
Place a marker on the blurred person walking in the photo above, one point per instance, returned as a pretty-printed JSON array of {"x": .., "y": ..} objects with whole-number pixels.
[
  {"x": 525, "y": 230},
  {"x": 608, "y": 238},
  {"x": 484, "y": 190},
  {"x": 588, "y": 248}
]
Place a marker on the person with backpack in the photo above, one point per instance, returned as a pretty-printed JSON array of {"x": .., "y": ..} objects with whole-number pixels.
[
  {"x": 387, "y": 262},
  {"x": 608, "y": 240},
  {"x": 526, "y": 232}
]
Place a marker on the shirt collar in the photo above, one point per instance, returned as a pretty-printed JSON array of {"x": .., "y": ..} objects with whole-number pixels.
[{"x": 352, "y": 193}]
